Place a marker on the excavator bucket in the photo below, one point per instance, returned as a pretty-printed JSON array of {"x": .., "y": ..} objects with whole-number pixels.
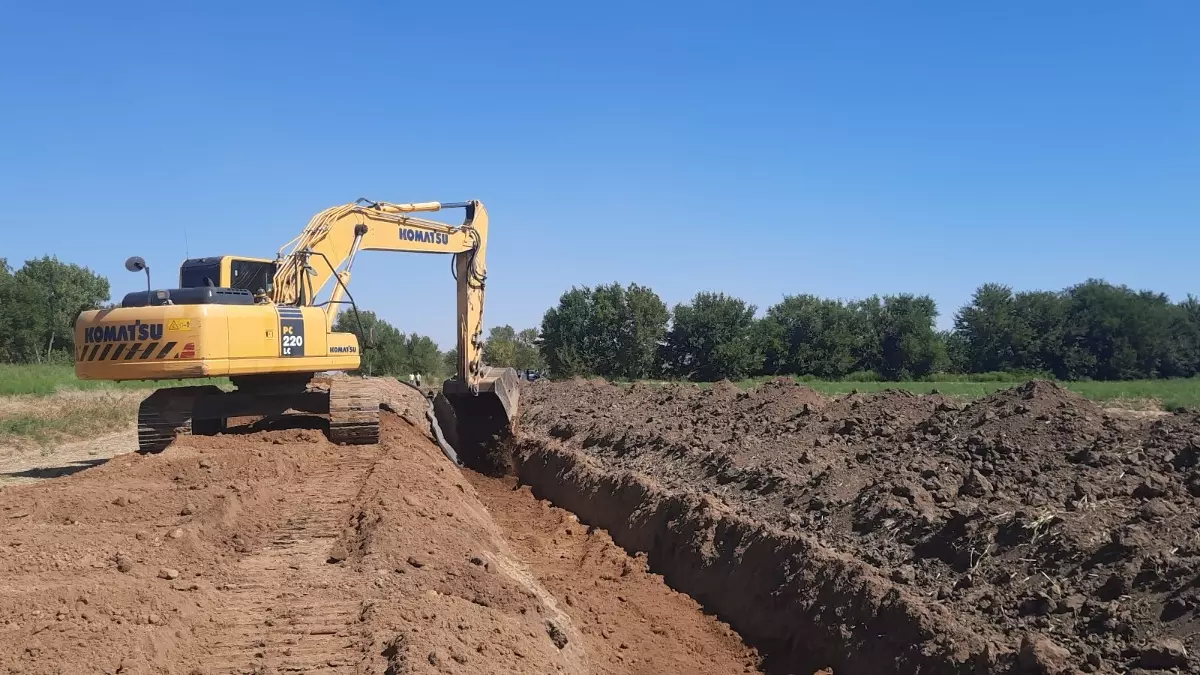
[{"x": 478, "y": 424}]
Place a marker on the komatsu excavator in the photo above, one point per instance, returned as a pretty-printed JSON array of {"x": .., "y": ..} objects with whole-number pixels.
[{"x": 259, "y": 322}]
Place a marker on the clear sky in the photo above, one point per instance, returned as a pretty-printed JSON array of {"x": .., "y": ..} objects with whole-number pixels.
[{"x": 841, "y": 149}]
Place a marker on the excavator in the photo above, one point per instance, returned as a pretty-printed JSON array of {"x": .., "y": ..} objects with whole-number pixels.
[{"x": 268, "y": 325}]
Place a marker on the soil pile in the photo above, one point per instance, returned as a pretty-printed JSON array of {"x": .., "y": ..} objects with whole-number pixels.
[
  {"x": 272, "y": 551},
  {"x": 1059, "y": 538}
]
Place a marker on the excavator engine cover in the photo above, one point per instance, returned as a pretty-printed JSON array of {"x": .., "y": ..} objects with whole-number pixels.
[{"x": 479, "y": 424}]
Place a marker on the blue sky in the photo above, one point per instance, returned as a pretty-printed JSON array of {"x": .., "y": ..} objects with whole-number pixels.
[{"x": 840, "y": 149}]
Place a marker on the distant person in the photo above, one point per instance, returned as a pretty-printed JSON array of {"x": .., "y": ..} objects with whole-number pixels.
[
  {"x": 411, "y": 379},
  {"x": 418, "y": 379}
]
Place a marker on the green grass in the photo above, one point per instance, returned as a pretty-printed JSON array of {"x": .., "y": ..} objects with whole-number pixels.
[
  {"x": 1167, "y": 394},
  {"x": 71, "y": 416},
  {"x": 1141, "y": 394},
  {"x": 46, "y": 379}
]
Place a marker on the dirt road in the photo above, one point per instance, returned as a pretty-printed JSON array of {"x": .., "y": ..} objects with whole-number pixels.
[{"x": 278, "y": 552}]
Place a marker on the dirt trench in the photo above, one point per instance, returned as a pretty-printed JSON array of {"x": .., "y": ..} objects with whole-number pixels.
[
  {"x": 278, "y": 552},
  {"x": 1025, "y": 532}
]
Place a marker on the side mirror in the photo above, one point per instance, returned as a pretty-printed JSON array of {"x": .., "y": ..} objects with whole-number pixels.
[{"x": 135, "y": 263}]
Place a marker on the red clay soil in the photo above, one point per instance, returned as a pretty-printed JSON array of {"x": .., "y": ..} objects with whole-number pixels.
[
  {"x": 277, "y": 552},
  {"x": 629, "y": 620},
  {"x": 1027, "y": 531},
  {"x": 270, "y": 552}
]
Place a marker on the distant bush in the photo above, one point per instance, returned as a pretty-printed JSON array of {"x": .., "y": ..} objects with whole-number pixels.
[
  {"x": 997, "y": 376},
  {"x": 863, "y": 376}
]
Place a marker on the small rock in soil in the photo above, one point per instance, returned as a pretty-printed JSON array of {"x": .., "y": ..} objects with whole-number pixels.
[
  {"x": 976, "y": 485},
  {"x": 1162, "y": 654},
  {"x": 1039, "y": 605},
  {"x": 188, "y": 509},
  {"x": 205, "y": 464},
  {"x": 415, "y": 561},
  {"x": 176, "y": 533},
  {"x": 903, "y": 575},
  {"x": 557, "y": 635},
  {"x": 1040, "y": 654},
  {"x": 1072, "y": 604},
  {"x": 124, "y": 563},
  {"x": 168, "y": 573}
]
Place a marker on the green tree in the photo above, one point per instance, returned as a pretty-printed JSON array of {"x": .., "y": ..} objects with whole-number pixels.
[
  {"x": 422, "y": 355},
  {"x": 1039, "y": 337},
  {"x": 712, "y": 338},
  {"x": 450, "y": 362},
  {"x": 500, "y": 348},
  {"x": 529, "y": 357},
  {"x": 566, "y": 343},
  {"x": 988, "y": 327},
  {"x": 1125, "y": 334},
  {"x": 1183, "y": 354},
  {"x": 39, "y": 304},
  {"x": 6, "y": 328},
  {"x": 908, "y": 343},
  {"x": 388, "y": 351},
  {"x": 807, "y": 335},
  {"x": 612, "y": 331},
  {"x": 507, "y": 348}
]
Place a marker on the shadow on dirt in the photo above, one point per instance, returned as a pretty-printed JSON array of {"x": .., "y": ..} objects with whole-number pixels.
[
  {"x": 251, "y": 425},
  {"x": 56, "y": 471}
]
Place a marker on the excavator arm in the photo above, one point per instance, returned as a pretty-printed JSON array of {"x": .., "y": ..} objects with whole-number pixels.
[{"x": 324, "y": 253}]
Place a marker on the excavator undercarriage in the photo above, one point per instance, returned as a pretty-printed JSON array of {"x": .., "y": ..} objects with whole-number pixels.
[{"x": 350, "y": 404}]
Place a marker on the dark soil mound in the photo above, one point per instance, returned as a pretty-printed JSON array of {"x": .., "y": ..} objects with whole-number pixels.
[{"x": 1029, "y": 513}]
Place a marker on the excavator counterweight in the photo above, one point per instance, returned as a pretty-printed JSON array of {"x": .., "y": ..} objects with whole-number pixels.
[{"x": 268, "y": 325}]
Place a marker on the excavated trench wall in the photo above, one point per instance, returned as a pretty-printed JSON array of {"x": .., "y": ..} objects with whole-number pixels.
[{"x": 804, "y": 606}]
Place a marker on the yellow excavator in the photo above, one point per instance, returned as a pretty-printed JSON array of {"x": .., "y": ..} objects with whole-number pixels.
[{"x": 259, "y": 322}]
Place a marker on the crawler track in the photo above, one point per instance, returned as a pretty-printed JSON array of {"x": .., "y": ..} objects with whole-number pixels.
[{"x": 291, "y": 610}]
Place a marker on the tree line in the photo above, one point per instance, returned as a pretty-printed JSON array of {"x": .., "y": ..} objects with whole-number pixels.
[
  {"x": 1093, "y": 330},
  {"x": 38, "y": 306}
]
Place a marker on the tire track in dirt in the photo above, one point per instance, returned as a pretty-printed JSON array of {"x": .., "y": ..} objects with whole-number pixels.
[{"x": 284, "y": 613}]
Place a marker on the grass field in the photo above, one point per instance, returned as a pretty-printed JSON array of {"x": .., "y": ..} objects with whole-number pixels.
[
  {"x": 44, "y": 404},
  {"x": 35, "y": 420},
  {"x": 1164, "y": 394},
  {"x": 46, "y": 379}
]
